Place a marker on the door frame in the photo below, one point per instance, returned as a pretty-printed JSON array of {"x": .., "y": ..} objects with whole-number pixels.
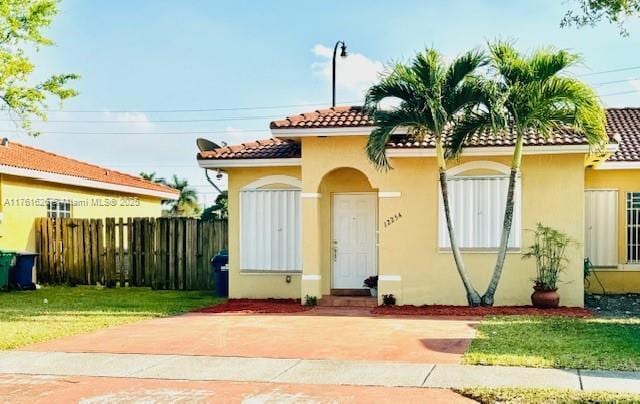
[{"x": 375, "y": 231}]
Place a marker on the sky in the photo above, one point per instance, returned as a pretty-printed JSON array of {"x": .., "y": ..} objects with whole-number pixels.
[{"x": 245, "y": 63}]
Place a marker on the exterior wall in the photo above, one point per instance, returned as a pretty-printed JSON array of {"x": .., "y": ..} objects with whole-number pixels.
[
  {"x": 19, "y": 211},
  {"x": 244, "y": 284},
  {"x": 626, "y": 279},
  {"x": 410, "y": 263}
]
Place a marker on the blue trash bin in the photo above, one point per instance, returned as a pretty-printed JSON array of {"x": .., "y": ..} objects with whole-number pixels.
[
  {"x": 220, "y": 264},
  {"x": 22, "y": 272}
]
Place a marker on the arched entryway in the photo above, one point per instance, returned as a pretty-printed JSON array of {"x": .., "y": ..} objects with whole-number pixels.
[{"x": 348, "y": 225}]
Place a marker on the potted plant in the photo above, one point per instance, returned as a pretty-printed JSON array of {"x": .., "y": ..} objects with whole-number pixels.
[
  {"x": 548, "y": 250},
  {"x": 372, "y": 283}
]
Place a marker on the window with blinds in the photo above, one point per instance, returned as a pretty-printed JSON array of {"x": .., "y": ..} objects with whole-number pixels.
[
  {"x": 633, "y": 227},
  {"x": 270, "y": 230},
  {"x": 477, "y": 212}
]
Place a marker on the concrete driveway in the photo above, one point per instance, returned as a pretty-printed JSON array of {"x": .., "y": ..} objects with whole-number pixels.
[
  {"x": 322, "y": 333},
  {"x": 321, "y": 356}
]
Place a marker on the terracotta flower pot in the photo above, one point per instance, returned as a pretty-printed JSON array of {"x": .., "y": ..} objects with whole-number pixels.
[{"x": 545, "y": 299}]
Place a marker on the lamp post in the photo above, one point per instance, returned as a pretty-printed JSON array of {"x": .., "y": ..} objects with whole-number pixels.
[{"x": 343, "y": 54}]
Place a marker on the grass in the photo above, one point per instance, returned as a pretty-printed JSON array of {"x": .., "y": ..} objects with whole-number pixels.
[
  {"x": 25, "y": 318},
  {"x": 557, "y": 342},
  {"x": 551, "y": 396}
]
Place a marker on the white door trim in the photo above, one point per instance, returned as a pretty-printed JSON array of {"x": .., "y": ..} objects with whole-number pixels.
[{"x": 332, "y": 235}]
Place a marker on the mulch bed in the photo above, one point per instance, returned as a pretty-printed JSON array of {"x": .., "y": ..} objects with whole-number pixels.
[
  {"x": 256, "y": 306},
  {"x": 438, "y": 310}
]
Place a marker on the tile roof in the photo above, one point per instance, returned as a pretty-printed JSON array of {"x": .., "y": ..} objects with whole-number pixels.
[
  {"x": 625, "y": 122},
  {"x": 335, "y": 117},
  {"x": 488, "y": 140},
  {"x": 20, "y": 156},
  {"x": 260, "y": 149}
]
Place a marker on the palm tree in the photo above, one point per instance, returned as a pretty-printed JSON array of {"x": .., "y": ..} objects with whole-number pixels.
[
  {"x": 431, "y": 93},
  {"x": 532, "y": 96},
  {"x": 152, "y": 177},
  {"x": 187, "y": 202}
]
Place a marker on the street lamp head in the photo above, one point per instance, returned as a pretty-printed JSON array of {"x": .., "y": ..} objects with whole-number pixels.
[{"x": 343, "y": 51}]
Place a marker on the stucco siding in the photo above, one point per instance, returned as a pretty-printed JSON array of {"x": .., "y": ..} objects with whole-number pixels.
[
  {"x": 23, "y": 200},
  {"x": 247, "y": 284},
  {"x": 411, "y": 265},
  {"x": 616, "y": 281}
]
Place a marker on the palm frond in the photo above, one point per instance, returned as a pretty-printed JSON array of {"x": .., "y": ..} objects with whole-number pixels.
[
  {"x": 509, "y": 63},
  {"x": 464, "y": 128},
  {"x": 386, "y": 123},
  {"x": 547, "y": 62},
  {"x": 462, "y": 67}
]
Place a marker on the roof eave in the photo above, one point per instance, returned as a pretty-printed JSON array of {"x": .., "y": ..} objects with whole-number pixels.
[
  {"x": 238, "y": 163},
  {"x": 85, "y": 182}
]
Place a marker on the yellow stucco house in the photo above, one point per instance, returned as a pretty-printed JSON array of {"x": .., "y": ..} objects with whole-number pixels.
[
  {"x": 35, "y": 183},
  {"x": 309, "y": 215}
]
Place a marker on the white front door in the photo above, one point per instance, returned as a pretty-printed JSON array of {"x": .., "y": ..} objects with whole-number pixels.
[{"x": 354, "y": 239}]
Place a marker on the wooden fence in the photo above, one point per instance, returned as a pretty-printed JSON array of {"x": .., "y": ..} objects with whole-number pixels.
[{"x": 163, "y": 253}]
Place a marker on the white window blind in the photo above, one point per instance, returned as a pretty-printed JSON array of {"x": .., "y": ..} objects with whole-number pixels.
[
  {"x": 601, "y": 227},
  {"x": 270, "y": 230},
  {"x": 477, "y": 211}
]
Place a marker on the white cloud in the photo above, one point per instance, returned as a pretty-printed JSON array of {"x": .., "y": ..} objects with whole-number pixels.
[
  {"x": 134, "y": 118},
  {"x": 354, "y": 74}
]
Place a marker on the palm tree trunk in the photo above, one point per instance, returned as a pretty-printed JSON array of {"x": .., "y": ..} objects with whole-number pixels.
[
  {"x": 488, "y": 297},
  {"x": 473, "y": 297}
]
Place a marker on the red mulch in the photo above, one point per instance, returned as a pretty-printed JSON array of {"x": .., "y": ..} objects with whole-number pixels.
[
  {"x": 253, "y": 306},
  {"x": 438, "y": 310}
]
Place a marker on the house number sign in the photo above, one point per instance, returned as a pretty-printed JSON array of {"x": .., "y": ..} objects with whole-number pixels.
[{"x": 392, "y": 219}]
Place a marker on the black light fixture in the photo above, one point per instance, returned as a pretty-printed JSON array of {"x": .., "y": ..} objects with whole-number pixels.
[{"x": 343, "y": 54}]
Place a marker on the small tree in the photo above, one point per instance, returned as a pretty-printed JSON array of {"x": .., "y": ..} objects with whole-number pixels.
[
  {"x": 153, "y": 177},
  {"x": 548, "y": 250},
  {"x": 432, "y": 93},
  {"x": 187, "y": 202},
  {"x": 219, "y": 210},
  {"x": 21, "y": 26},
  {"x": 532, "y": 96}
]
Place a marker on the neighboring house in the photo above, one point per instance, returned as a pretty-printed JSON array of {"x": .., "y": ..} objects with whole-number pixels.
[
  {"x": 35, "y": 183},
  {"x": 308, "y": 213}
]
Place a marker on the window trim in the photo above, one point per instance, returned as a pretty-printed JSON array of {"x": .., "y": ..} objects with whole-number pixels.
[
  {"x": 628, "y": 262},
  {"x": 504, "y": 171},
  {"x": 59, "y": 212}
]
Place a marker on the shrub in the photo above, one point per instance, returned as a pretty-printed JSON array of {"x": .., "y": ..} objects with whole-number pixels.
[
  {"x": 310, "y": 301},
  {"x": 388, "y": 300},
  {"x": 548, "y": 250},
  {"x": 371, "y": 282}
]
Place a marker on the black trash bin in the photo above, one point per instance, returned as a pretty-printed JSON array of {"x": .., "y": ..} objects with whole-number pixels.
[{"x": 220, "y": 264}]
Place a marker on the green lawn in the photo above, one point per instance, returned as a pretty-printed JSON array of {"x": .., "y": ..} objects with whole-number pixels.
[
  {"x": 25, "y": 318},
  {"x": 558, "y": 342},
  {"x": 546, "y": 396}
]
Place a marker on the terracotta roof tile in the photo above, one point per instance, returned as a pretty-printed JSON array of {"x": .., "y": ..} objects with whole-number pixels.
[
  {"x": 625, "y": 122},
  {"x": 20, "y": 156},
  {"x": 335, "y": 117},
  {"x": 260, "y": 149},
  {"x": 489, "y": 140},
  {"x": 622, "y": 122}
]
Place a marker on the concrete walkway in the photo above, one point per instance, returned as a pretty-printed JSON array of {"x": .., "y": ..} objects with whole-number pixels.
[{"x": 308, "y": 371}]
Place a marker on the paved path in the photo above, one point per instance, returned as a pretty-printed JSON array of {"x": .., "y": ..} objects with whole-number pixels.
[
  {"x": 17, "y": 389},
  {"x": 308, "y": 371},
  {"x": 319, "y": 334}
]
